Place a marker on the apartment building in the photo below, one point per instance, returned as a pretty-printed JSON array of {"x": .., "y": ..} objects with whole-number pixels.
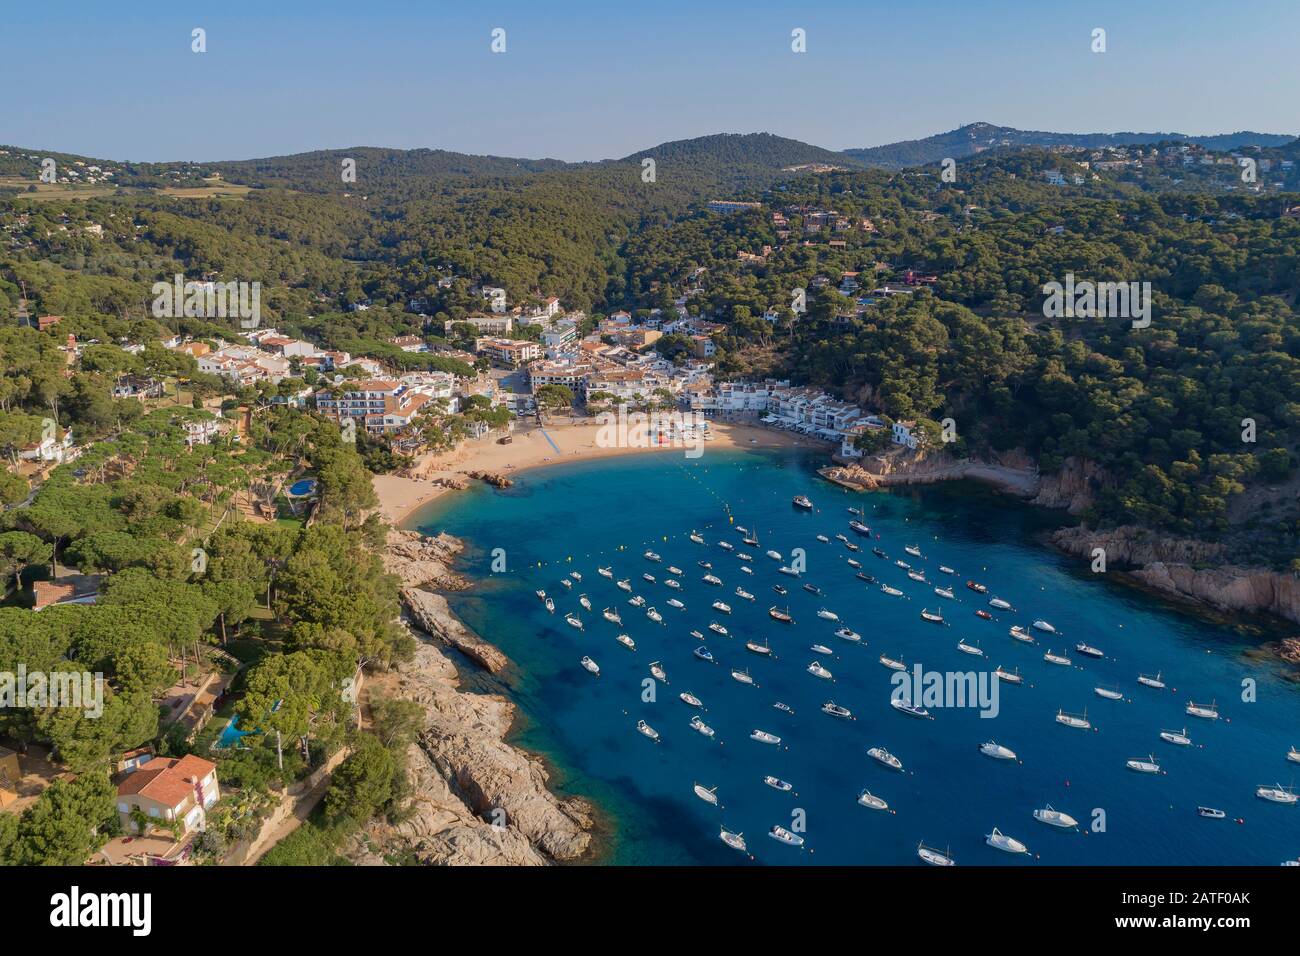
[{"x": 509, "y": 352}]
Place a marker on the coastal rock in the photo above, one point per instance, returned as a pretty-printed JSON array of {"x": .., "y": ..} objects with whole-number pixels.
[
  {"x": 1074, "y": 487},
  {"x": 432, "y": 615},
  {"x": 897, "y": 466},
  {"x": 419, "y": 561},
  {"x": 1182, "y": 567},
  {"x": 491, "y": 478},
  {"x": 475, "y": 800}
]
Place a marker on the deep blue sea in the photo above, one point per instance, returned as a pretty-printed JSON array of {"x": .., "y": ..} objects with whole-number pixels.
[{"x": 578, "y": 517}]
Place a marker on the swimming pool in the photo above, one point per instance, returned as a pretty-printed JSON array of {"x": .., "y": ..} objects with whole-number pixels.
[
  {"x": 230, "y": 735},
  {"x": 302, "y": 488}
]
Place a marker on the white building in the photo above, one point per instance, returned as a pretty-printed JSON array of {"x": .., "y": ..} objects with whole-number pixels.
[{"x": 903, "y": 434}]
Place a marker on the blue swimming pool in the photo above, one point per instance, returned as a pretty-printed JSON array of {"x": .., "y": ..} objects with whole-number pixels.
[
  {"x": 230, "y": 735},
  {"x": 302, "y": 488}
]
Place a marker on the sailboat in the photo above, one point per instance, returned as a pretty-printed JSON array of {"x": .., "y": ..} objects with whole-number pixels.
[
  {"x": 1073, "y": 720},
  {"x": 1053, "y": 658},
  {"x": 1110, "y": 693},
  {"x": 707, "y": 794},
  {"x": 734, "y": 840},
  {"x": 612, "y": 616},
  {"x": 1209, "y": 711},
  {"x": 1139, "y": 765},
  {"x": 972, "y": 649},
  {"x": 933, "y": 857},
  {"x": 1177, "y": 737},
  {"x": 1276, "y": 794},
  {"x": 584, "y": 601},
  {"x": 1155, "y": 682}
]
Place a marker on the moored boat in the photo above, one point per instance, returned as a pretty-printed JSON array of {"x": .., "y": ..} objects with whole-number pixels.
[
  {"x": 722, "y": 606},
  {"x": 934, "y": 617},
  {"x": 933, "y": 857},
  {"x": 984, "y": 615},
  {"x": 848, "y": 634},
  {"x": 826, "y": 615},
  {"x": 1044, "y": 626},
  {"x": 1139, "y": 765},
  {"x": 782, "y": 835},
  {"x": 1022, "y": 635},
  {"x": 820, "y": 649},
  {"x": 817, "y": 670},
  {"x": 697, "y": 538},
  {"x": 1211, "y": 813},
  {"x": 872, "y": 802},
  {"x": 1110, "y": 693},
  {"x": 701, "y": 727},
  {"x": 647, "y": 730},
  {"x": 744, "y": 595},
  {"x": 612, "y": 616},
  {"x": 734, "y": 840},
  {"x": 995, "y": 750},
  {"x": 707, "y": 794},
  {"x": 704, "y": 654},
  {"x": 1178, "y": 738},
  {"x": 905, "y": 706},
  {"x": 1000, "y": 841},
  {"x": 686, "y": 697},
  {"x": 574, "y": 621},
  {"x": 893, "y": 664},
  {"x": 786, "y": 569},
  {"x": 1055, "y": 818},
  {"x": 777, "y": 614},
  {"x": 801, "y": 501},
  {"x": 712, "y": 579},
  {"x": 743, "y": 677},
  {"x": 973, "y": 649},
  {"x": 1000, "y": 604},
  {"x": 977, "y": 587},
  {"x": 835, "y": 710},
  {"x": 1277, "y": 794},
  {"x": 1155, "y": 682},
  {"x": 892, "y": 592},
  {"x": 606, "y": 572},
  {"x": 881, "y": 755},
  {"x": 1087, "y": 650},
  {"x": 776, "y": 783},
  {"x": 763, "y": 737},
  {"x": 657, "y": 671},
  {"x": 591, "y": 666},
  {"x": 1011, "y": 677},
  {"x": 652, "y": 556},
  {"x": 1208, "y": 711},
  {"x": 758, "y": 648},
  {"x": 1059, "y": 659},
  {"x": 1074, "y": 720},
  {"x": 626, "y": 642}
]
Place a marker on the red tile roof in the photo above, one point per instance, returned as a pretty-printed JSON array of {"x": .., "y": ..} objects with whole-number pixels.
[{"x": 167, "y": 780}]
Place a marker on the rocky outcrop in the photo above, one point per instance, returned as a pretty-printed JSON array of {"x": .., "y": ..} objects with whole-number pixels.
[
  {"x": 1187, "y": 568},
  {"x": 432, "y": 615},
  {"x": 491, "y": 478},
  {"x": 1012, "y": 474},
  {"x": 475, "y": 799},
  {"x": 419, "y": 561},
  {"x": 1074, "y": 487}
]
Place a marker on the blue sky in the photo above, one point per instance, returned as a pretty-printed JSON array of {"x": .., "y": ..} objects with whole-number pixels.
[{"x": 584, "y": 80}]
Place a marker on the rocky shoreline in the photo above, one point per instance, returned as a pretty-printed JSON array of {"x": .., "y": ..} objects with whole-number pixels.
[{"x": 475, "y": 799}]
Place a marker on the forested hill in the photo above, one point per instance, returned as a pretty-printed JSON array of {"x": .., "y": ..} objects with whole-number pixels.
[{"x": 977, "y": 137}]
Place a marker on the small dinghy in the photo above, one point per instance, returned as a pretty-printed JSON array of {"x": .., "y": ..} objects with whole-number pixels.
[
  {"x": 1059, "y": 659},
  {"x": 835, "y": 710},
  {"x": 1055, "y": 818},
  {"x": 998, "y": 752},
  {"x": 1087, "y": 650},
  {"x": 973, "y": 649},
  {"x": 892, "y": 663},
  {"x": 776, "y": 783},
  {"x": 734, "y": 840},
  {"x": 782, "y": 835},
  {"x": 872, "y": 802},
  {"x": 1178, "y": 738},
  {"x": 1073, "y": 720},
  {"x": 1210, "y": 813},
  {"x": 722, "y": 606},
  {"x": 933, "y": 857},
  {"x": 591, "y": 666},
  {"x": 657, "y": 672},
  {"x": 626, "y": 642},
  {"x": 699, "y": 725},
  {"x": 647, "y": 730},
  {"x": 707, "y": 794},
  {"x": 704, "y": 654},
  {"x": 818, "y": 671},
  {"x": 1110, "y": 693},
  {"x": 883, "y": 756},
  {"x": 686, "y": 697},
  {"x": 763, "y": 737},
  {"x": 1155, "y": 682},
  {"x": 820, "y": 649},
  {"x": 1000, "y": 841},
  {"x": 1138, "y": 765}
]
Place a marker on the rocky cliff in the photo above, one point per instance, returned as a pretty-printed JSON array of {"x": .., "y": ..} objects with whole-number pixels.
[
  {"x": 419, "y": 561},
  {"x": 432, "y": 615},
  {"x": 475, "y": 799}
]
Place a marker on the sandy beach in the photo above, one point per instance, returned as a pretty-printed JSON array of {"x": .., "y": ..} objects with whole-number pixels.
[{"x": 401, "y": 495}]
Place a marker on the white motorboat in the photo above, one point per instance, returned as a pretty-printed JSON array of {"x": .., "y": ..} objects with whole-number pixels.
[
  {"x": 841, "y": 539},
  {"x": 758, "y": 648},
  {"x": 686, "y": 697},
  {"x": 881, "y": 755},
  {"x": 944, "y": 569},
  {"x": 913, "y": 550},
  {"x": 707, "y": 794},
  {"x": 550, "y": 606},
  {"x": 917, "y": 576},
  {"x": 785, "y": 708},
  {"x": 782, "y": 835},
  {"x": 1178, "y": 738},
  {"x": 945, "y": 593},
  {"x": 636, "y": 600},
  {"x": 717, "y": 628},
  {"x": 823, "y": 539},
  {"x": 744, "y": 595},
  {"x": 673, "y": 583},
  {"x": 698, "y": 539},
  {"x": 577, "y": 576},
  {"x": 674, "y": 570},
  {"x": 1155, "y": 682},
  {"x": 624, "y": 584},
  {"x": 1087, "y": 650},
  {"x": 933, "y": 857},
  {"x": 905, "y": 706},
  {"x": 712, "y": 579},
  {"x": 1055, "y": 818},
  {"x": 541, "y": 595},
  {"x": 703, "y": 728},
  {"x": 998, "y": 752},
  {"x": 654, "y": 615},
  {"x": 1000, "y": 841},
  {"x": 859, "y": 528},
  {"x": 872, "y": 802},
  {"x": 853, "y": 562},
  {"x": 647, "y": 730},
  {"x": 612, "y": 616},
  {"x": 574, "y": 621},
  {"x": 1011, "y": 677},
  {"x": 1138, "y": 765},
  {"x": 734, "y": 840},
  {"x": 722, "y": 606},
  {"x": 763, "y": 737},
  {"x": 891, "y": 591},
  {"x": 802, "y": 501},
  {"x": 704, "y": 654},
  {"x": 835, "y": 710},
  {"x": 820, "y": 649},
  {"x": 1060, "y": 659},
  {"x": 1209, "y": 711},
  {"x": 1293, "y": 755},
  {"x": 775, "y": 555},
  {"x": 1110, "y": 693},
  {"x": 776, "y": 783},
  {"x": 1276, "y": 794},
  {"x": 648, "y": 577},
  {"x": 892, "y": 663},
  {"x": 726, "y": 546},
  {"x": 1000, "y": 604},
  {"x": 673, "y": 602},
  {"x": 848, "y": 634},
  {"x": 568, "y": 585},
  {"x": 746, "y": 569},
  {"x": 591, "y": 666},
  {"x": 657, "y": 671},
  {"x": 1044, "y": 626},
  {"x": 826, "y": 615},
  {"x": 742, "y": 556},
  {"x": 651, "y": 556},
  {"x": 1022, "y": 635},
  {"x": 818, "y": 671},
  {"x": 626, "y": 642},
  {"x": 1074, "y": 720},
  {"x": 900, "y": 563},
  {"x": 743, "y": 677},
  {"x": 606, "y": 572},
  {"x": 784, "y": 569}
]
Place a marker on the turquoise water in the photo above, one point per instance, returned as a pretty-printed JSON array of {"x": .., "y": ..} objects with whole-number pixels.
[
  {"x": 580, "y": 516},
  {"x": 230, "y": 735},
  {"x": 302, "y": 487}
]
